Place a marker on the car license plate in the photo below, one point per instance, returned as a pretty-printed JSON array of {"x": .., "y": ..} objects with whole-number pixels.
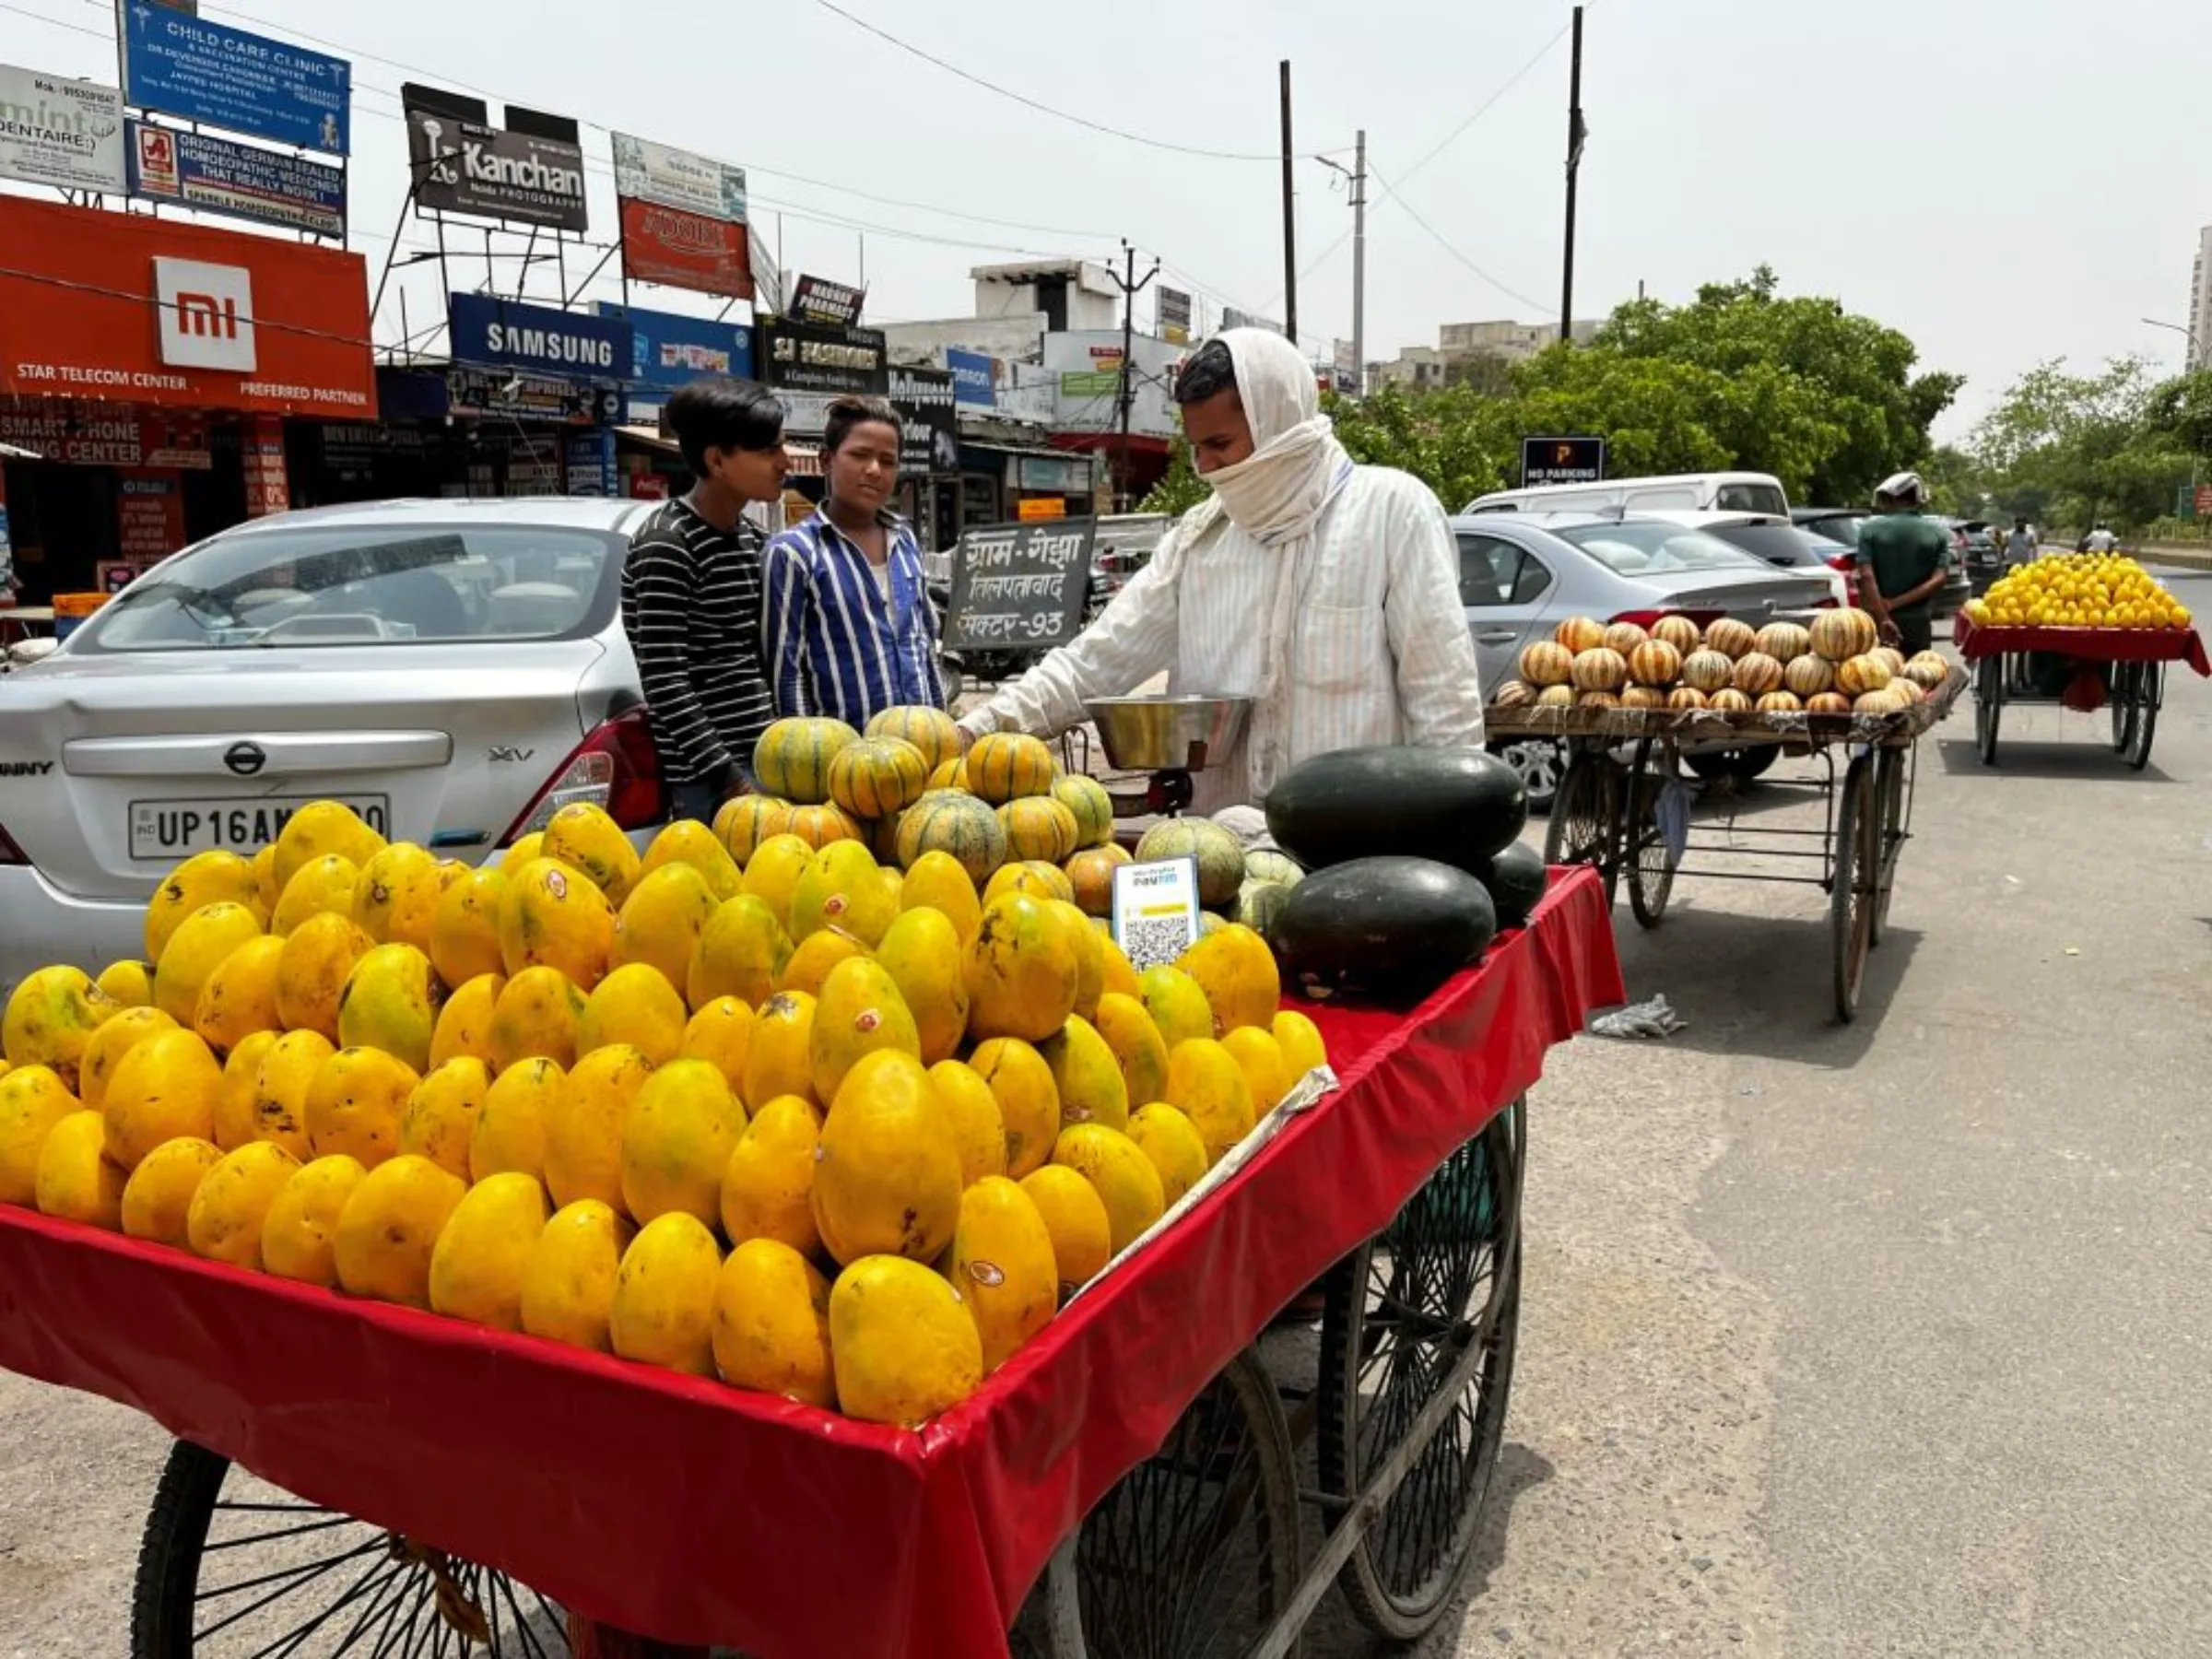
[{"x": 178, "y": 829}]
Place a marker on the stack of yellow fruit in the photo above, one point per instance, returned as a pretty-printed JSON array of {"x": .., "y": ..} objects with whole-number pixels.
[
  {"x": 840, "y": 1131},
  {"x": 2079, "y": 589}
]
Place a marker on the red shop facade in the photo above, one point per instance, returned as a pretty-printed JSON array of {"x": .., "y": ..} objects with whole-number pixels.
[{"x": 155, "y": 376}]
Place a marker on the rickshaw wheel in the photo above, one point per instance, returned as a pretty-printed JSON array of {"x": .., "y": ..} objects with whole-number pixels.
[
  {"x": 1989, "y": 705},
  {"x": 1396, "y": 1313},
  {"x": 2150, "y": 688},
  {"x": 1890, "y": 793},
  {"x": 1650, "y": 862},
  {"x": 230, "y": 1566},
  {"x": 1856, "y": 878},
  {"x": 1583, "y": 828},
  {"x": 2126, "y": 687}
]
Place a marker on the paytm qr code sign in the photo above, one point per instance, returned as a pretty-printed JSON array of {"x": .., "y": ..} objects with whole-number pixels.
[{"x": 1156, "y": 911}]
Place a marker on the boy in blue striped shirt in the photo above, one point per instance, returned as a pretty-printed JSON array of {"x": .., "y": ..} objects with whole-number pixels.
[{"x": 847, "y": 627}]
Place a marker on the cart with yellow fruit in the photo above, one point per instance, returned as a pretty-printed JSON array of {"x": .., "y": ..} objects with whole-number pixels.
[
  {"x": 2081, "y": 631},
  {"x": 1657, "y": 718},
  {"x": 421, "y": 1410}
]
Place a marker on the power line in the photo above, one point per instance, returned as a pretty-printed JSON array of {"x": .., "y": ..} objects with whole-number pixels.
[
  {"x": 1489, "y": 104},
  {"x": 98, "y": 34},
  {"x": 1437, "y": 237}
]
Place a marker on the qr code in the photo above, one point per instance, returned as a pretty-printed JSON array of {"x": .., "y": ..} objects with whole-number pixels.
[{"x": 1156, "y": 941}]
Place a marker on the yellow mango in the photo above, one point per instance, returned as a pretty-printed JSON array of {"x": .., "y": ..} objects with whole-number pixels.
[
  {"x": 1177, "y": 1007},
  {"x": 860, "y": 1013},
  {"x": 979, "y": 1127},
  {"x": 239, "y": 997},
  {"x": 586, "y": 838},
  {"x": 923, "y": 955},
  {"x": 1209, "y": 1087},
  {"x": 1030, "y": 878},
  {"x": 1236, "y": 969},
  {"x": 1126, "y": 1181},
  {"x": 51, "y": 1018},
  {"x": 1075, "y": 1218},
  {"x": 234, "y": 1200},
  {"x": 1002, "y": 1265},
  {"x": 1022, "y": 972},
  {"x": 1137, "y": 1046},
  {"x": 391, "y": 1002},
  {"x": 477, "y": 1266},
  {"x": 440, "y": 1121},
  {"x": 551, "y": 916},
  {"x": 741, "y": 950},
  {"x": 281, "y": 1085},
  {"x": 662, "y": 919},
  {"x": 166, "y": 1086},
  {"x": 1086, "y": 1075},
  {"x": 940, "y": 882},
  {"x": 194, "y": 952},
  {"x": 1120, "y": 977},
  {"x": 664, "y": 1306},
  {"x": 157, "y": 1200},
  {"x": 396, "y": 896},
  {"x": 535, "y": 1015},
  {"x": 773, "y": 874},
  {"x": 509, "y": 1135},
  {"x": 903, "y": 1344},
  {"x": 771, "y": 1329},
  {"x": 886, "y": 1177},
  {"x": 267, "y": 889},
  {"x": 768, "y": 1184},
  {"x": 74, "y": 1179},
  {"x": 676, "y": 1139},
  {"x": 634, "y": 1004},
  {"x": 1300, "y": 1039},
  {"x": 355, "y": 1103},
  {"x": 584, "y": 1134},
  {"x": 32, "y": 1101},
  {"x": 111, "y": 1041},
  {"x": 1089, "y": 949},
  {"x": 840, "y": 888},
  {"x": 465, "y": 929},
  {"x": 1028, "y": 1101},
  {"x": 235, "y": 1123},
  {"x": 318, "y": 956},
  {"x": 202, "y": 879},
  {"x": 1173, "y": 1144},
  {"x": 569, "y": 1281},
  {"x": 300, "y": 1233},
  {"x": 776, "y": 1061},
  {"x": 814, "y": 957},
  {"x": 389, "y": 1229},
  {"x": 722, "y": 1032},
  {"x": 465, "y": 1022},
  {"x": 1256, "y": 1051},
  {"x": 128, "y": 984},
  {"x": 687, "y": 841},
  {"x": 323, "y": 828},
  {"x": 321, "y": 887}
]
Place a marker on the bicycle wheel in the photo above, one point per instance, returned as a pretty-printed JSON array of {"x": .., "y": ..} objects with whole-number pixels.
[
  {"x": 1890, "y": 793},
  {"x": 230, "y": 1566},
  {"x": 1989, "y": 705},
  {"x": 1196, "y": 1551},
  {"x": 1582, "y": 826},
  {"x": 1650, "y": 860},
  {"x": 1396, "y": 1312},
  {"x": 1851, "y": 896},
  {"x": 2150, "y": 690},
  {"x": 2125, "y": 687}
]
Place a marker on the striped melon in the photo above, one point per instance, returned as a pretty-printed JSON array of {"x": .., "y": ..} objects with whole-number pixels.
[
  {"x": 1258, "y": 904},
  {"x": 1729, "y": 700},
  {"x": 1927, "y": 670},
  {"x": 929, "y": 730},
  {"x": 747, "y": 820},
  {"x": 1686, "y": 697},
  {"x": 1600, "y": 670},
  {"x": 1730, "y": 638},
  {"x": 1860, "y": 674},
  {"x": 945, "y": 821},
  {"x": 1708, "y": 671},
  {"x": 1596, "y": 699},
  {"x": 1556, "y": 696},
  {"x": 1907, "y": 691},
  {"x": 1221, "y": 855},
  {"x": 1756, "y": 674},
  {"x": 1086, "y": 797},
  {"x": 1809, "y": 676},
  {"x": 1643, "y": 697},
  {"x": 1266, "y": 864},
  {"x": 1839, "y": 635},
  {"x": 1579, "y": 634},
  {"x": 1884, "y": 701},
  {"x": 1828, "y": 702},
  {"x": 1038, "y": 827},
  {"x": 952, "y": 774},
  {"x": 821, "y": 823},
  {"x": 1512, "y": 694},
  {"x": 793, "y": 757},
  {"x": 1625, "y": 637},
  {"x": 1785, "y": 641},
  {"x": 1654, "y": 663},
  {"x": 1892, "y": 658},
  {"x": 1009, "y": 766},
  {"x": 1780, "y": 702},
  {"x": 877, "y": 777},
  {"x": 1678, "y": 632},
  {"x": 1546, "y": 662}
]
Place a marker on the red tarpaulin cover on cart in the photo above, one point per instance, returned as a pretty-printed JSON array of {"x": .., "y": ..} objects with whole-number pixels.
[
  {"x": 690, "y": 1512},
  {"x": 2085, "y": 644}
]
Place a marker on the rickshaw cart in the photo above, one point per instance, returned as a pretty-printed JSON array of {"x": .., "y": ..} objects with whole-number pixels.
[
  {"x": 2127, "y": 664},
  {"x": 1626, "y": 781},
  {"x": 1137, "y": 1445}
]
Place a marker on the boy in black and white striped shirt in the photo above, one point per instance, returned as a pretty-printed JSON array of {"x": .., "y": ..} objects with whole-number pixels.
[{"x": 691, "y": 594}]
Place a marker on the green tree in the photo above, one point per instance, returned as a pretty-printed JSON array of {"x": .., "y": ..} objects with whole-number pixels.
[
  {"x": 1180, "y": 487},
  {"x": 2087, "y": 447},
  {"x": 1458, "y": 441}
]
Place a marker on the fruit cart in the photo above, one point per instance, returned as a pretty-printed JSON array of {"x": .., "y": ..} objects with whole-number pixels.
[
  {"x": 1626, "y": 784},
  {"x": 1138, "y": 1445},
  {"x": 2080, "y": 668}
]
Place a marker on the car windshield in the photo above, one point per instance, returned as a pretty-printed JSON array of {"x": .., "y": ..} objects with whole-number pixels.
[
  {"x": 367, "y": 585},
  {"x": 1653, "y": 549},
  {"x": 1844, "y": 528},
  {"x": 1777, "y": 543},
  {"x": 1751, "y": 497}
]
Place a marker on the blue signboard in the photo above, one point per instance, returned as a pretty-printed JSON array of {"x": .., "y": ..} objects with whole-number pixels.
[
  {"x": 975, "y": 377},
  {"x": 204, "y": 71},
  {"x": 669, "y": 351},
  {"x": 195, "y": 169},
  {"x": 592, "y": 464},
  {"x": 507, "y": 333}
]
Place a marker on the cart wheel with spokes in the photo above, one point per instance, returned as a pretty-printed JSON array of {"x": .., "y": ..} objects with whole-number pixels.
[
  {"x": 1447, "y": 1271},
  {"x": 1195, "y": 1553},
  {"x": 1650, "y": 860},
  {"x": 230, "y": 1566},
  {"x": 2125, "y": 687},
  {"x": 1890, "y": 795},
  {"x": 1584, "y": 827},
  {"x": 1853, "y": 882},
  {"x": 1989, "y": 706},
  {"x": 2150, "y": 691}
]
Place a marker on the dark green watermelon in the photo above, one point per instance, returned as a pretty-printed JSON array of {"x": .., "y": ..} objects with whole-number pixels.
[
  {"x": 1390, "y": 928},
  {"x": 1516, "y": 877},
  {"x": 1455, "y": 805}
]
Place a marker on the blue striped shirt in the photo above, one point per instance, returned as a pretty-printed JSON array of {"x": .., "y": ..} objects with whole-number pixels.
[{"x": 832, "y": 644}]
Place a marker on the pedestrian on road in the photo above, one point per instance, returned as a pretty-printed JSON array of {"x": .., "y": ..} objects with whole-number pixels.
[
  {"x": 691, "y": 592},
  {"x": 849, "y": 628},
  {"x": 1326, "y": 591},
  {"x": 1903, "y": 561},
  {"x": 2020, "y": 542},
  {"x": 2099, "y": 540}
]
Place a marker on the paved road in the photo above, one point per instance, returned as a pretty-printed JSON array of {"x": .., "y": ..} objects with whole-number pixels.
[{"x": 1879, "y": 1340}]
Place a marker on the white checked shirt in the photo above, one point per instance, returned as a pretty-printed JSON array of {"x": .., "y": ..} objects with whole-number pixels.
[{"x": 1379, "y": 651}]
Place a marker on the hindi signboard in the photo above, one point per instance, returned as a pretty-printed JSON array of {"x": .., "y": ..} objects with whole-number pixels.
[
  {"x": 1019, "y": 586},
  {"x": 676, "y": 249}
]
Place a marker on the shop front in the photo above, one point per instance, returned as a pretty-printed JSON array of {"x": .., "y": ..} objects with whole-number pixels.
[{"x": 155, "y": 378}]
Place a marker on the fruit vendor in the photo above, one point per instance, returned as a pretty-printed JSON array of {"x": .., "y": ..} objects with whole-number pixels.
[
  {"x": 1903, "y": 561},
  {"x": 1325, "y": 591}
]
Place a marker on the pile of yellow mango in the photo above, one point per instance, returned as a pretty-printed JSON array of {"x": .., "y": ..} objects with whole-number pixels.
[{"x": 840, "y": 1132}]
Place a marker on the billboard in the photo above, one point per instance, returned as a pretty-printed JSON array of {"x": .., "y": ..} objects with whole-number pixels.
[
  {"x": 215, "y": 175},
  {"x": 676, "y": 249},
  {"x": 204, "y": 71},
  {"x": 66, "y": 134},
  {"x": 646, "y": 172},
  {"x": 975, "y": 377},
  {"x": 831, "y": 304},
  {"x": 1562, "y": 461},
  {"x": 1173, "y": 317},
  {"x": 508, "y": 334},
  {"x": 495, "y": 173},
  {"x": 809, "y": 358},
  {"x": 928, "y": 422},
  {"x": 668, "y": 351}
]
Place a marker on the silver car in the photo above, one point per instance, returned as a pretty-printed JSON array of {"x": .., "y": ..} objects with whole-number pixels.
[
  {"x": 1520, "y": 574},
  {"x": 453, "y": 670}
]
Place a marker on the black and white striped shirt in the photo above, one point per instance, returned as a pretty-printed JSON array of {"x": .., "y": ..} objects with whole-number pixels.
[{"x": 691, "y": 608}]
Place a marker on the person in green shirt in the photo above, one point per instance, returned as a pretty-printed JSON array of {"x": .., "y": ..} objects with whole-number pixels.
[{"x": 1903, "y": 561}]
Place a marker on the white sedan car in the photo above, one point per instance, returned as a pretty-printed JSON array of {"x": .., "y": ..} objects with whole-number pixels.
[{"x": 453, "y": 670}]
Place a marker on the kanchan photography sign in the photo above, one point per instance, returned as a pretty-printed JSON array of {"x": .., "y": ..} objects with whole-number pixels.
[
  {"x": 1020, "y": 586},
  {"x": 492, "y": 172}
]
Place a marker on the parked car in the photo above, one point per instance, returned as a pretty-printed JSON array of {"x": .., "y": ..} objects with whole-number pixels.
[
  {"x": 1685, "y": 492},
  {"x": 1769, "y": 537},
  {"x": 1523, "y": 574}
]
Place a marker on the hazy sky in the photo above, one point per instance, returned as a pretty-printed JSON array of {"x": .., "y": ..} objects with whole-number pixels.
[{"x": 2005, "y": 181}]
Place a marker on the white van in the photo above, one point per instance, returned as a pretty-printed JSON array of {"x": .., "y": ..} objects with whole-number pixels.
[{"x": 1685, "y": 492}]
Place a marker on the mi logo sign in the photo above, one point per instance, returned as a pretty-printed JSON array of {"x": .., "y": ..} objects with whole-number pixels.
[{"x": 206, "y": 315}]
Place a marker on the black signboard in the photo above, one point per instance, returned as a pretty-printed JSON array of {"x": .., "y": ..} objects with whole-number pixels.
[
  {"x": 818, "y": 300},
  {"x": 807, "y": 357},
  {"x": 929, "y": 429},
  {"x": 1019, "y": 586},
  {"x": 1562, "y": 461}
]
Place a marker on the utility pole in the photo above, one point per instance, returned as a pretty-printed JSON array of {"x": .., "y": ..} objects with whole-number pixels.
[
  {"x": 1126, "y": 394},
  {"x": 1289, "y": 221},
  {"x": 1576, "y": 132},
  {"x": 1357, "y": 179}
]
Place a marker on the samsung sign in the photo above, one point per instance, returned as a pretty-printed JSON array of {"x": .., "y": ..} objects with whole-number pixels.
[{"x": 507, "y": 333}]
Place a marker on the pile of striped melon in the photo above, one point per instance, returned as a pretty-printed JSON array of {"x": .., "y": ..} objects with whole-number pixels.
[
  {"x": 751, "y": 1105},
  {"x": 1836, "y": 667}
]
